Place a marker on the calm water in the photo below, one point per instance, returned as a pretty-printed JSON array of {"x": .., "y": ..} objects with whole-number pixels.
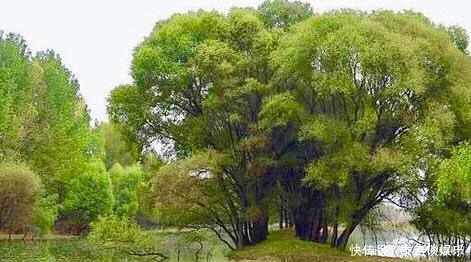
[{"x": 80, "y": 250}]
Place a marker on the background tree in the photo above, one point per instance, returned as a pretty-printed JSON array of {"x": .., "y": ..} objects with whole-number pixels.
[
  {"x": 44, "y": 214},
  {"x": 188, "y": 194},
  {"x": 116, "y": 148},
  {"x": 459, "y": 37},
  {"x": 126, "y": 183},
  {"x": 63, "y": 126},
  {"x": 443, "y": 215},
  {"x": 16, "y": 87},
  {"x": 283, "y": 13}
]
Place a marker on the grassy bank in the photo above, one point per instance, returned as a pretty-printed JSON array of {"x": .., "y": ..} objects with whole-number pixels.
[{"x": 283, "y": 246}]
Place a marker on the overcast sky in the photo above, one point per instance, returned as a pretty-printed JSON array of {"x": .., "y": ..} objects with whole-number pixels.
[{"x": 95, "y": 38}]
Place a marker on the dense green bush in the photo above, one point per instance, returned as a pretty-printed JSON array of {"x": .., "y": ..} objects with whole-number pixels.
[
  {"x": 45, "y": 214},
  {"x": 20, "y": 191},
  {"x": 126, "y": 182},
  {"x": 124, "y": 234},
  {"x": 89, "y": 195}
]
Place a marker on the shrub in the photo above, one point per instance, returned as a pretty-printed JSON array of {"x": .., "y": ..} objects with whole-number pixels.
[
  {"x": 45, "y": 214},
  {"x": 89, "y": 195},
  {"x": 124, "y": 234},
  {"x": 126, "y": 182},
  {"x": 20, "y": 191}
]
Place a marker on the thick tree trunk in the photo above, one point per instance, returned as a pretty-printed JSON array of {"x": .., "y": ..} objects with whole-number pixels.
[
  {"x": 316, "y": 227},
  {"x": 356, "y": 219},
  {"x": 375, "y": 193},
  {"x": 305, "y": 204},
  {"x": 308, "y": 226},
  {"x": 308, "y": 216},
  {"x": 335, "y": 233},
  {"x": 342, "y": 241},
  {"x": 259, "y": 230},
  {"x": 303, "y": 228},
  {"x": 281, "y": 214}
]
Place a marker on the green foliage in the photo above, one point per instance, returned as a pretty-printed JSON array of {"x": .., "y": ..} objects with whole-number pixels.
[
  {"x": 128, "y": 108},
  {"x": 445, "y": 211},
  {"x": 19, "y": 195},
  {"x": 459, "y": 37},
  {"x": 283, "y": 13},
  {"x": 16, "y": 79},
  {"x": 200, "y": 79},
  {"x": 279, "y": 110},
  {"x": 63, "y": 125},
  {"x": 126, "y": 183},
  {"x": 116, "y": 149},
  {"x": 439, "y": 220},
  {"x": 379, "y": 98},
  {"x": 454, "y": 175},
  {"x": 42, "y": 115},
  {"x": 243, "y": 25},
  {"x": 45, "y": 214},
  {"x": 363, "y": 78},
  {"x": 124, "y": 234},
  {"x": 185, "y": 191},
  {"x": 90, "y": 193},
  {"x": 114, "y": 231},
  {"x": 61, "y": 249}
]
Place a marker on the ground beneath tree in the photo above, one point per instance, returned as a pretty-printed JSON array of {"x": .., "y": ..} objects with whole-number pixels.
[{"x": 284, "y": 247}]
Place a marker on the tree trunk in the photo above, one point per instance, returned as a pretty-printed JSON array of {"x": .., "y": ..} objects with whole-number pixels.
[
  {"x": 316, "y": 227},
  {"x": 259, "y": 230},
  {"x": 307, "y": 222},
  {"x": 281, "y": 212},
  {"x": 325, "y": 232},
  {"x": 285, "y": 215},
  {"x": 343, "y": 239},
  {"x": 356, "y": 218},
  {"x": 290, "y": 219},
  {"x": 335, "y": 233},
  {"x": 335, "y": 227}
]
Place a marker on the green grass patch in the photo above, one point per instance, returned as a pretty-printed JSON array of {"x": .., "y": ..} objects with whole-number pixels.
[{"x": 283, "y": 246}]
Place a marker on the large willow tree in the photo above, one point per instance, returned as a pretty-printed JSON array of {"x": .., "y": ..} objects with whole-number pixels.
[
  {"x": 373, "y": 99},
  {"x": 199, "y": 82}
]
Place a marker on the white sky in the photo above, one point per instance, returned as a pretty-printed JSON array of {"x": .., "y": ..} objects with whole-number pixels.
[{"x": 95, "y": 38}]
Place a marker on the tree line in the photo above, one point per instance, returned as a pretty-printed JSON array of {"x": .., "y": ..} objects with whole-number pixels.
[{"x": 57, "y": 171}]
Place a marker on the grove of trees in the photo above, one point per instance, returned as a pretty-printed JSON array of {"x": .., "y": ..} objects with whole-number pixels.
[{"x": 336, "y": 113}]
